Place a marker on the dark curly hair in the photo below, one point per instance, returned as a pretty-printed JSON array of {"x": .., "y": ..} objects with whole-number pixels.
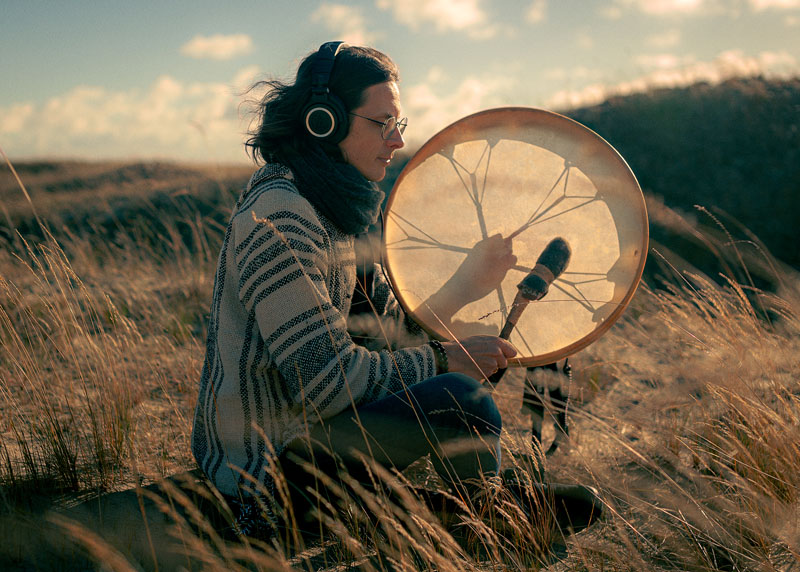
[{"x": 280, "y": 132}]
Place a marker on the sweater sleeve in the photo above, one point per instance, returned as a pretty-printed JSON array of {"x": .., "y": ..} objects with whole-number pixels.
[
  {"x": 282, "y": 260},
  {"x": 386, "y": 304},
  {"x": 382, "y": 296}
]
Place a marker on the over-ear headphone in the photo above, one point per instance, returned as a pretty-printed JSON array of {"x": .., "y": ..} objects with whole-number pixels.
[{"x": 325, "y": 116}]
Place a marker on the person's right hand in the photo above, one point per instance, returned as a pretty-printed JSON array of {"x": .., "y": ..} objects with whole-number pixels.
[
  {"x": 478, "y": 356},
  {"x": 482, "y": 271}
]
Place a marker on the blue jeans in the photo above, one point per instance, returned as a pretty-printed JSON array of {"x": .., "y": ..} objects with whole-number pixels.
[{"x": 452, "y": 417}]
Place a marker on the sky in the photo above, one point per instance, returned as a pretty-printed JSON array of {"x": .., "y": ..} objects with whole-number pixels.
[{"x": 161, "y": 80}]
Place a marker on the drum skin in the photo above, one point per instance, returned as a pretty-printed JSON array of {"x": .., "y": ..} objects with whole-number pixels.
[{"x": 533, "y": 175}]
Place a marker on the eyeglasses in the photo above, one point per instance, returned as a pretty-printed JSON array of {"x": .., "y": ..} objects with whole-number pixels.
[{"x": 389, "y": 126}]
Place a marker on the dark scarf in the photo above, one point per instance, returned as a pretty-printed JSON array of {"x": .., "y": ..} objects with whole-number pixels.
[{"x": 336, "y": 189}]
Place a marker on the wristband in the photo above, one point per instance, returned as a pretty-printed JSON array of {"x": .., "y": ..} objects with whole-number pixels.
[{"x": 440, "y": 355}]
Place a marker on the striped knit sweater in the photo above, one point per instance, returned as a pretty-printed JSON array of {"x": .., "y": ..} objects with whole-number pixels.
[{"x": 278, "y": 353}]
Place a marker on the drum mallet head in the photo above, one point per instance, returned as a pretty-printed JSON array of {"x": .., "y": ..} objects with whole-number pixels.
[{"x": 549, "y": 266}]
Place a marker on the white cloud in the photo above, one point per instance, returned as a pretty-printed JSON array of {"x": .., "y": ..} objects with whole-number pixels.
[
  {"x": 569, "y": 98},
  {"x": 199, "y": 121},
  {"x": 671, "y": 6},
  {"x": 584, "y": 40},
  {"x": 347, "y": 22},
  {"x": 436, "y": 74},
  {"x": 218, "y": 46},
  {"x": 760, "y": 5},
  {"x": 246, "y": 77},
  {"x": 445, "y": 15},
  {"x": 610, "y": 11},
  {"x": 579, "y": 73},
  {"x": 14, "y": 118},
  {"x": 662, "y": 61},
  {"x": 171, "y": 119},
  {"x": 665, "y": 39},
  {"x": 676, "y": 72},
  {"x": 434, "y": 104},
  {"x": 537, "y": 12},
  {"x": 660, "y": 7},
  {"x": 616, "y": 8}
]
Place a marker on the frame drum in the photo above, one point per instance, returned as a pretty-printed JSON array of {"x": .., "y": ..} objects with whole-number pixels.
[{"x": 532, "y": 175}]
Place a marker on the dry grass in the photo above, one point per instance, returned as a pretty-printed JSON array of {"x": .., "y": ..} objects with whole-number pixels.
[{"x": 687, "y": 420}]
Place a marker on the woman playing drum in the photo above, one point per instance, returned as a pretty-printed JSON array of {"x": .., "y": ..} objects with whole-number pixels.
[{"x": 283, "y": 381}]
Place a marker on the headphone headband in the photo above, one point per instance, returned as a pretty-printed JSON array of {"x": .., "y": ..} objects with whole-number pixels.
[{"x": 323, "y": 65}]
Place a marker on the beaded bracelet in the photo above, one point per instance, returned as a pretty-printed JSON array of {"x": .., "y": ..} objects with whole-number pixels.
[{"x": 441, "y": 356}]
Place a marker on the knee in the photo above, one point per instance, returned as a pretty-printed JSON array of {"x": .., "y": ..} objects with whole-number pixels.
[{"x": 473, "y": 401}]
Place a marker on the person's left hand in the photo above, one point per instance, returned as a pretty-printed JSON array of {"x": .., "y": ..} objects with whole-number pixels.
[{"x": 478, "y": 356}]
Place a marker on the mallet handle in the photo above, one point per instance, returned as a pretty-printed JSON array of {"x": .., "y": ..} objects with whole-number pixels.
[{"x": 520, "y": 302}]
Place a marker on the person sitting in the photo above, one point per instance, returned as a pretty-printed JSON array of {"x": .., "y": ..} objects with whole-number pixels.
[{"x": 283, "y": 383}]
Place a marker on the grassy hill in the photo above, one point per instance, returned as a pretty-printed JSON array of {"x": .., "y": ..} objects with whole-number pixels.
[
  {"x": 733, "y": 148},
  {"x": 118, "y": 200}
]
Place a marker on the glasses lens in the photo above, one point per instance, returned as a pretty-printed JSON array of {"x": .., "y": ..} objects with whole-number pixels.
[
  {"x": 389, "y": 127},
  {"x": 393, "y": 124}
]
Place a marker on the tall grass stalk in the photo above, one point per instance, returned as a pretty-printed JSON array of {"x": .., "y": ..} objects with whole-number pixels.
[
  {"x": 696, "y": 442},
  {"x": 65, "y": 348},
  {"x": 99, "y": 346}
]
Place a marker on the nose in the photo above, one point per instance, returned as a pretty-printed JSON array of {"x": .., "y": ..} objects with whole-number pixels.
[{"x": 396, "y": 141}]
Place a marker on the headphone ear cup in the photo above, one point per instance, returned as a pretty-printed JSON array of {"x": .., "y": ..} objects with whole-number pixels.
[
  {"x": 325, "y": 118},
  {"x": 342, "y": 120}
]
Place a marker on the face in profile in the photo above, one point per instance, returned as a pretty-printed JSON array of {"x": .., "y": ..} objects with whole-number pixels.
[{"x": 365, "y": 147}]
